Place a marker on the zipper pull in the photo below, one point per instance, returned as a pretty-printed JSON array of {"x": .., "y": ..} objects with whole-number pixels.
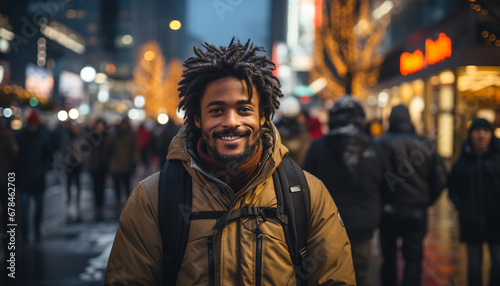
[{"x": 257, "y": 229}]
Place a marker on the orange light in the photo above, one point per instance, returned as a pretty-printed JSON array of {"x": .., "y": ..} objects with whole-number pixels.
[
  {"x": 110, "y": 68},
  {"x": 435, "y": 52},
  {"x": 149, "y": 56},
  {"x": 318, "y": 17},
  {"x": 410, "y": 63}
]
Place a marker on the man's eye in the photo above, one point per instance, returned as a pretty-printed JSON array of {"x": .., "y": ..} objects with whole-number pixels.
[
  {"x": 245, "y": 109},
  {"x": 215, "y": 110}
]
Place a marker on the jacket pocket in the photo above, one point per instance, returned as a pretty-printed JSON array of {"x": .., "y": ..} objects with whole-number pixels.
[{"x": 269, "y": 252}]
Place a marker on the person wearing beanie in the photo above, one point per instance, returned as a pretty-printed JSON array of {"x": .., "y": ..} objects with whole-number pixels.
[
  {"x": 414, "y": 177},
  {"x": 34, "y": 159},
  {"x": 349, "y": 164},
  {"x": 474, "y": 188}
]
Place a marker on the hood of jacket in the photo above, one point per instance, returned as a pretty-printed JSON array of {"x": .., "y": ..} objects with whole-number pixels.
[{"x": 399, "y": 120}]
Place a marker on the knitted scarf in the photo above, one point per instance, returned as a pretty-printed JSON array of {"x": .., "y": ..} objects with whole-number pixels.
[{"x": 235, "y": 176}]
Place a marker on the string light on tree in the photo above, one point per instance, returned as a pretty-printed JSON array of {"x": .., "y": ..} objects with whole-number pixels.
[{"x": 346, "y": 46}]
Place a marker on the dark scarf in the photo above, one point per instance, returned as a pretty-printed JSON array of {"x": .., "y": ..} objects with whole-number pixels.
[{"x": 236, "y": 177}]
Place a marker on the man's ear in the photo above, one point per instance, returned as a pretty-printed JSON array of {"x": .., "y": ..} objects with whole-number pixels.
[
  {"x": 197, "y": 120},
  {"x": 262, "y": 120}
]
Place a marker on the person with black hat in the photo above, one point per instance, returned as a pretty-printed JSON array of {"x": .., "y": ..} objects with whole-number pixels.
[
  {"x": 349, "y": 164},
  {"x": 414, "y": 177},
  {"x": 474, "y": 188}
]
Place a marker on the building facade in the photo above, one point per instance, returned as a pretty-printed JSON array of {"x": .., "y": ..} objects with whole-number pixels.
[{"x": 442, "y": 60}]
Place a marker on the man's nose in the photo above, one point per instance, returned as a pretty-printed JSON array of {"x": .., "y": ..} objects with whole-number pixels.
[{"x": 231, "y": 119}]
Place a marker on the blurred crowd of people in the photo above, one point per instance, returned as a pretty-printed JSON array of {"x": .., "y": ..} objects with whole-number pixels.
[
  {"x": 387, "y": 181},
  {"x": 114, "y": 152}
]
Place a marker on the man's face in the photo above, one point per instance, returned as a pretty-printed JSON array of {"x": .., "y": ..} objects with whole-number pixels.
[
  {"x": 229, "y": 121},
  {"x": 481, "y": 138}
]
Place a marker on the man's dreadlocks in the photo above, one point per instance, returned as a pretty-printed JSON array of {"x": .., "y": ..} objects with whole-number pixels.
[{"x": 236, "y": 60}]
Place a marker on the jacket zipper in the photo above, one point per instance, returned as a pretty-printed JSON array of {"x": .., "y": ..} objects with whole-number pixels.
[
  {"x": 258, "y": 254},
  {"x": 211, "y": 271}
]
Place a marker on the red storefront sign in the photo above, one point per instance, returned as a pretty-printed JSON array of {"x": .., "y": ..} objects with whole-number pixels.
[{"x": 435, "y": 52}]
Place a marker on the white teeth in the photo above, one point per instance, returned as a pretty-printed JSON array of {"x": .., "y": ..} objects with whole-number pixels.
[{"x": 230, "y": 138}]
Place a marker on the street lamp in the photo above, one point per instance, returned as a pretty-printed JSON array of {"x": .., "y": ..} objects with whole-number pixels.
[{"x": 175, "y": 25}]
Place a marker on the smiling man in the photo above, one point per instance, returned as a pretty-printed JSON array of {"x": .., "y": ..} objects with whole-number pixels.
[{"x": 240, "y": 229}]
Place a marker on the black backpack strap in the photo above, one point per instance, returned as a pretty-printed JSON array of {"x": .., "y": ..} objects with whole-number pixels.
[
  {"x": 174, "y": 189},
  {"x": 292, "y": 194}
]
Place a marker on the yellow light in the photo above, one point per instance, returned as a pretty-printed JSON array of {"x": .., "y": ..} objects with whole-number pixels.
[
  {"x": 497, "y": 43},
  {"x": 175, "y": 25},
  {"x": 447, "y": 77},
  {"x": 492, "y": 37},
  {"x": 149, "y": 56},
  {"x": 485, "y": 34},
  {"x": 471, "y": 69}
]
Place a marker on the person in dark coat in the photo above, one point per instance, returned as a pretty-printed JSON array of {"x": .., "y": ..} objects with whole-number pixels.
[
  {"x": 414, "y": 177},
  {"x": 349, "y": 164},
  {"x": 72, "y": 160},
  {"x": 98, "y": 164},
  {"x": 123, "y": 157},
  {"x": 474, "y": 188},
  {"x": 34, "y": 160}
]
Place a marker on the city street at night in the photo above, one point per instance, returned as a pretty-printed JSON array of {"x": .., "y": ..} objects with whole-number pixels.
[{"x": 346, "y": 142}]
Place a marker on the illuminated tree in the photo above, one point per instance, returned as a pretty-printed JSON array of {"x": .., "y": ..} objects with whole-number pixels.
[
  {"x": 346, "y": 46},
  {"x": 170, "y": 92},
  {"x": 148, "y": 77}
]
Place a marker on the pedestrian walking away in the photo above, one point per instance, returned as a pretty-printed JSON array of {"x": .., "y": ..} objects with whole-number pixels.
[
  {"x": 230, "y": 156},
  {"x": 414, "y": 177},
  {"x": 349, "y": 164}
]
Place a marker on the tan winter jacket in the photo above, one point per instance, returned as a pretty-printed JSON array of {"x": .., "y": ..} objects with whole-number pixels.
[{"x": 136, "y": 257}]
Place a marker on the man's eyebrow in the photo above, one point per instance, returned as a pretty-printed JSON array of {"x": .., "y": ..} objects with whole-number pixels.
[
  {"x": 216, "y": 102},
  {"x": 220, "y": 102},
  {"x": 248, "y": 101}
]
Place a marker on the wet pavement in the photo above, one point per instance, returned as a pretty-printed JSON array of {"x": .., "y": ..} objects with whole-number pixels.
[{"x": 74, "y": 247}]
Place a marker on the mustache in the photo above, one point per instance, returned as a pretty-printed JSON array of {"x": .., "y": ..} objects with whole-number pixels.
[{"x": 234, "y": 132}]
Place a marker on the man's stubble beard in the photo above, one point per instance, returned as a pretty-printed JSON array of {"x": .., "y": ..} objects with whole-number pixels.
[{"x": 228, "y": 160}]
